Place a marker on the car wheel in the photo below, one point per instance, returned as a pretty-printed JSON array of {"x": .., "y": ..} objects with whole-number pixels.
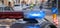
[{"x": 48, "y": 25}]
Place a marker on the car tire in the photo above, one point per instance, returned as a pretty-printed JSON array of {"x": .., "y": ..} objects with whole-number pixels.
[{"x": 48, "y": 25}]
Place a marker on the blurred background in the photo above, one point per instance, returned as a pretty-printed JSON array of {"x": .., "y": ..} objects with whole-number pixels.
[{"x": 18, "y": 4}]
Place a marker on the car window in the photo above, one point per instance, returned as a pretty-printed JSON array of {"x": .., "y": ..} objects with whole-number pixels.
[
  {"x": 1, "y": 9},
  {"x": 16, "y": 5},
  {"x": 8, "y": 9}
]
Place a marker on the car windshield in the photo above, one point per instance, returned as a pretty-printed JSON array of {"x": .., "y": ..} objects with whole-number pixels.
[
  {"x": 6, "y": 9},
  {"x": 16, "y": 5}
]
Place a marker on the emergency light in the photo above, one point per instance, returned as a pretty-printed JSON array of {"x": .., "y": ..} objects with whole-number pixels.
[{"x": 35, "y": 14}]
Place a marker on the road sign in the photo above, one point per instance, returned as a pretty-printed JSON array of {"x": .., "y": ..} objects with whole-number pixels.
[{"x": 54, "y": 10}]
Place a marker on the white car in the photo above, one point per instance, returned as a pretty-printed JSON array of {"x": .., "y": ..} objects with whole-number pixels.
[{"x": 19, "y": 7}]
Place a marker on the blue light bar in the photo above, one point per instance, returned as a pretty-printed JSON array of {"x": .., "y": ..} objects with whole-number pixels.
[{"x": 36, "y": 14}]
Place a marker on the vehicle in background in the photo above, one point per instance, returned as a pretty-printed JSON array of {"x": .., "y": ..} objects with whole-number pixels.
[
  {"x": 19, "y": 7},
  {"x": 8, "y": 12}
]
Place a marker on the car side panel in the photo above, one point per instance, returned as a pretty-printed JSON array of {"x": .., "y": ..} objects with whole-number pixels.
[{"x": 11, "y": 15}]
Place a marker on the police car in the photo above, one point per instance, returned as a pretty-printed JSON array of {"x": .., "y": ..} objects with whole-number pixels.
[{"x": 33, "y": 19}]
